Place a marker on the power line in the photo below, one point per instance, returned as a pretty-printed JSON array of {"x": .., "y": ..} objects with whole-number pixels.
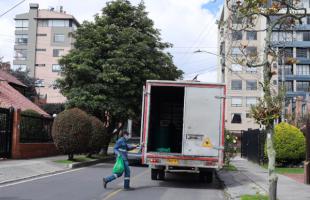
[{"x": 12, "y": 8}]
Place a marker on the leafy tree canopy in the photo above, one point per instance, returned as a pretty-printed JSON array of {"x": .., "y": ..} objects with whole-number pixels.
[{"x": 112, "y": 59}]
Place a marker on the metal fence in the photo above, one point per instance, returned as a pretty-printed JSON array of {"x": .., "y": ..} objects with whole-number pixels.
[
  {"x": 252, "y": 145},
  {"x": 6, "y": 122},
  {"x": 35, "y": 129}
]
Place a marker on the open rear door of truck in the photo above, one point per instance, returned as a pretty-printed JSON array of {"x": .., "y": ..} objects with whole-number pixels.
[{"x": 203, "y": 121}]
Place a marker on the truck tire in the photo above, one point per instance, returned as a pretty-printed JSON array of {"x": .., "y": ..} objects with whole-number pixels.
[
  {"x": 206, "y": 176},
  {"x": 209, "y": 177},
  {"x": 161, "y": 174},
  {"x": 154, "y": 174}
]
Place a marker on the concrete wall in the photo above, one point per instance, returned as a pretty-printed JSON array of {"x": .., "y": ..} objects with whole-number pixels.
[{"x": 28, "y": 150}]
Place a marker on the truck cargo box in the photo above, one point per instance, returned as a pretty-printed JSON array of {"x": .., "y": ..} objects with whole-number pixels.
[{"x": 183, "y": 124}]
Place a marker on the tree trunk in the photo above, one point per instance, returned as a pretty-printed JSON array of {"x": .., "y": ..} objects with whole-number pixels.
[{"x": 272, "y": 178}]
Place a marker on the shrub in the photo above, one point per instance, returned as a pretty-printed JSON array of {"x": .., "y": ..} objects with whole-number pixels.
[
  {"x": 230, "y": 148},
  {"x": 289, "y": 144},
  {"x": 98, "y": 135},
  {"x": 71, "y": 132}
]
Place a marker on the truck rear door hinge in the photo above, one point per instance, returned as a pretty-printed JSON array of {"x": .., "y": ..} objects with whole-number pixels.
[{"x": 220, "y": 97}]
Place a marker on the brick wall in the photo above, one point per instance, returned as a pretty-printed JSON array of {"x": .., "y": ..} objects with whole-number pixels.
[{"x": 28, "y": 150}]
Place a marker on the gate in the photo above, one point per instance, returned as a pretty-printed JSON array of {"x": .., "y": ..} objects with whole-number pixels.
[
  {"x": 252, "y": 145},
  {"x": 6, "y": 125}
]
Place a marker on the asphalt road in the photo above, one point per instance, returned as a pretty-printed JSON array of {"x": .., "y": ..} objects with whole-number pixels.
[{"x": 86, "y": 184}]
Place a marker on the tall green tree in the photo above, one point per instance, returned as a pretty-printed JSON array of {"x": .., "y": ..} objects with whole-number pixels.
[{"x": 113, "y": 57}]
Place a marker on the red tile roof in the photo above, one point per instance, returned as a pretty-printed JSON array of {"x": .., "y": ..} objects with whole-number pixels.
[
  {"x": 10, "y": 78},
  {"x": 11, "y": 97}
]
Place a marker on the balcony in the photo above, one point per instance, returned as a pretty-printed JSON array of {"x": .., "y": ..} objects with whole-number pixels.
[
  {"x": 295, "y": 77},
  {"x": 302, "y": 44}
]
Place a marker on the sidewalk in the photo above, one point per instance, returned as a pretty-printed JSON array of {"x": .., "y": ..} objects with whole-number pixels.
[
  {"x": 13, "y": 170},
  {"x": 252, "y": 179}
]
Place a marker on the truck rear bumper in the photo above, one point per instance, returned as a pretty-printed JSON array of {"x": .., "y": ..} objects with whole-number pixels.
[{"x": 160, "y": 162}]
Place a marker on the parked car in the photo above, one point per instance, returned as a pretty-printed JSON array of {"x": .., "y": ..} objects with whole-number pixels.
[{"x": 135, "y": 156}]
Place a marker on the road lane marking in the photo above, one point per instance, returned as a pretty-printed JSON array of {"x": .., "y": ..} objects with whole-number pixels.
[
  {"x": 112, "y": 194},
  {"x": 38, "y": 178}
]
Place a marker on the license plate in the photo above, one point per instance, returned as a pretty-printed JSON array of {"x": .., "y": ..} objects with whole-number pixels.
[{"x": 172, "y": 161}]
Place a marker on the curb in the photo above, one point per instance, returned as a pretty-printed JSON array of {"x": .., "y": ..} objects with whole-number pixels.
[
  {"x": 70, "y": 166},
  {"x": 89, "y": 163},
  {"x": 31, "y": 177}
]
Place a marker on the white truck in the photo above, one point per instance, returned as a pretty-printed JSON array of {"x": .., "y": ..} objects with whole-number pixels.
[{"x": 182, "y": 127}]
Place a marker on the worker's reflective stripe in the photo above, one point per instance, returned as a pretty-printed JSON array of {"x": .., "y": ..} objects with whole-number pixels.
[
  {"x": 115, "y": 175},
  {"x": 123, "y": 150},
  {"x": 127, "y": 178}
]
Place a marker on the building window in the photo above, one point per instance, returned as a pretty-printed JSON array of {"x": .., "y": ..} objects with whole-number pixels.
[
  {"x": 236, "y": 84},
  {"x": 21, "y": 38},
  {"x": 21, "y": 24},
  {"x": 251, "y": 101},
  {"x": 41, "y": 34},
  {"x": 288, "y": 85},
  {"x": 236, "y": 68},
  {"x": 302, "y": 70},
  {"x": 308, "y": 17},
  {"x": 20, "y": 54},
  {"x": 40, "y": 49},
  {"x": 251, "y": 85},
  {"x": 53, "y": 23},
  {"x": 59, "y": 38},
  {"x": 56, "y": 68},
  {"x": 236, "y": 102},
  {"x": 21, "y": 68},
  {"x": 237, "y": 35},
  {"x": 58, "y": 52},
  {"x": 303, "y": 86},
  {"x": 306, "y": 35},
  {"x": 236, "y": 19},
  {"x": 39, "y": 83},
  {"x": 288, "y": 69},
  {"x": 251, "y": 35},
  {"x": 251, "y": 70},
  {"x": 40, "y": 65},
  {"x": 236, "y": 118},
  {"x": 59, "y": 23},
  {"x": 248, "y": 115},
  {"x": 251, "y": 51},
  {"x": 235, "y": 51},
  {"x": 301, "y": 52},
  {"x": 285, "y": 54},
  {"x": 42, "y": 23}
]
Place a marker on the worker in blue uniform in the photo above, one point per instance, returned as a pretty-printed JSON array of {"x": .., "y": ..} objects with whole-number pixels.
[{"x": 121, "y": 147}]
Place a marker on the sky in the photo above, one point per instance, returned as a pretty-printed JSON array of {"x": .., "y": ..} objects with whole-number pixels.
[{"x": 190, "y": 25}]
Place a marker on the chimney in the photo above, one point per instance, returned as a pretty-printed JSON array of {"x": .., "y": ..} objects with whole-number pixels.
[{"x": 34, "y": 6}]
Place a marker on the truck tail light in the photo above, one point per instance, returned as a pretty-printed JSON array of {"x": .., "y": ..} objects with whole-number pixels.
[
  {"x": 154, "y": 160},
  {"x": 208, "y": 163}
]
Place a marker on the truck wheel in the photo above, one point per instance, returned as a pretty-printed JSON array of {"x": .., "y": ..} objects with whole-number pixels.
[
  {"x": 206, "y": 176},
  {"x": 209, "y": 177},
  {"x": 161, "y": 175},
  {"x": 154, "y": 174}
]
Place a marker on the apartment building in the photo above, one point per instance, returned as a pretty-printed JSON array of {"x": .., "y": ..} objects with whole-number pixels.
[
  {"x": 294, "y": 44},
  {"x": 243, "y": 89},
  {"x": 42, "y": 36}
]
